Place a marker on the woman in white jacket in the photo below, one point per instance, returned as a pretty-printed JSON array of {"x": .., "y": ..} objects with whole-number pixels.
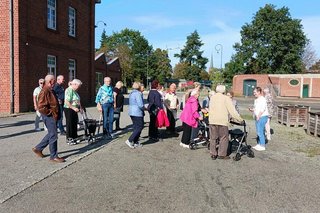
[{"x": 260, "y": 111}]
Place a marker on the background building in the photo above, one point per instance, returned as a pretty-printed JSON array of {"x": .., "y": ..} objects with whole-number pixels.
[
  {"x": 49, "y": 36},
  {"x": 285, "y": 85}
]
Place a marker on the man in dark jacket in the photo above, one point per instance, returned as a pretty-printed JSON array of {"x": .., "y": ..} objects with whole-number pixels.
[
  {"x": 48, "y": 106},
  {"x": 59, "y": 91}
]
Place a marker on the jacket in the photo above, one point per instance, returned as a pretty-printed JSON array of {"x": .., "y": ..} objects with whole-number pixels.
[
  {"x": 220, "y": 108},
  {"x": 162, "y": 119},
  {"x": 136, "y": 107},
  {"x": 48, "y": 103},
  {"x": 190, "y": 113}
]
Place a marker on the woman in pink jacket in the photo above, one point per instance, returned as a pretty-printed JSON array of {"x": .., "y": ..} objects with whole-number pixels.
[{"x": 189, "y": 118}]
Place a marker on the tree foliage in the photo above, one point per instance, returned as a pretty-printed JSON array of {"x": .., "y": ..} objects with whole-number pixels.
[
  {"x": 137, "y": 58},
  {"x": 191, "y": 56},
  {"x": 309, "y": 56},
  {"x": 272, "y": 43}
]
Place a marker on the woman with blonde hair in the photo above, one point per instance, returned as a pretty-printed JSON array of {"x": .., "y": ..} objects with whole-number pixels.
[
  {"x": 119, "y": 100},
  {"x": 72, "y": 106}
]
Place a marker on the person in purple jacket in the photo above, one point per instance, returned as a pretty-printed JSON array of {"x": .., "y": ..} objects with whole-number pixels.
[{"x": 154, "y": 104}]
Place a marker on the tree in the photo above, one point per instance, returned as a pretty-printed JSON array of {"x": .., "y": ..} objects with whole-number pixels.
[
  {"x": 309, "y": 56},
  {"x": 179, "y": 70},
  {"x": 192, "y": 56},
  {"x": 316, "y": 66},
  {"x": 159, "y": 64},
  {"x": 216, "y": 76},
  {"x": 272, "y": 43},
  {"x": 133, "y": 48}
]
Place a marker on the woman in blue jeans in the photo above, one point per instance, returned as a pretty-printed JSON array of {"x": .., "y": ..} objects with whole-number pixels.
[
  {"x": 260, "y": 112},
  {"x": 105, "y": 104},
  {"x": 136, "y": 112}
]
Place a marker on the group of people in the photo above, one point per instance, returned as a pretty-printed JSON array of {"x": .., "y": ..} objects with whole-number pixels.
[
  {"x": 220, "y": 107},
  {"x": 51, "y": 100}
]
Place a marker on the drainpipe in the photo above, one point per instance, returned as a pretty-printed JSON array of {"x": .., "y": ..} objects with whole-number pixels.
[{"x": 11, "y": 59}]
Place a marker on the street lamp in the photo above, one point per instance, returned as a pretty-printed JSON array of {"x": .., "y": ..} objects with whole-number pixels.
[
  {"x": 96, "y": 25},
  {"x": 219, "y": 49}
]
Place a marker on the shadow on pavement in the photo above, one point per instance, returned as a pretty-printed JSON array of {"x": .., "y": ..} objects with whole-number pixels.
[{"x": 19, "y": 123}]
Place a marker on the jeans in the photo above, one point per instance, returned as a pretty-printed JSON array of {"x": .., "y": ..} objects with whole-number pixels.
[
  {"x": 59, "y": 123},
  {"x": 260, "y": 127},
  {"x": 107, "y": 110},
  {"x": 51, "y": 137},
  {"x": 137, "y": 128}
]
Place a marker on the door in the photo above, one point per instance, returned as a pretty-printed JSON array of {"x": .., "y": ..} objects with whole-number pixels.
[
  {"x": 248, "y": 86},
  {"x": 305, "y": 91}
]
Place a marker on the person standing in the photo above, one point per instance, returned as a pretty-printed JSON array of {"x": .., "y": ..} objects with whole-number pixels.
[
  {"x": 189, "y": 117},
  {"x": 270, "y": 106},
  {"x": 260, "y": 112},
  {"x": 171, "y": 102},
  {"x": 35, "y": 104},
  {"x": 48, "y": 106},
  {"x": 106, "y": 105},
  {"x": 72, "y": 106},
  {"x": 154, "y": 104},
  {"x": 220, "y": 107},
  {"x": 59, "y": 90},
  {"x": 136, "y": 113},
  {"x": 119, "y": 101}
]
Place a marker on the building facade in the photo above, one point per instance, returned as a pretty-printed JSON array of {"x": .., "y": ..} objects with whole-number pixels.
[
  {"x": 106, "y": 67},
  {"x": 285, "y": 85},
  {"x": 49, "y": 37}
]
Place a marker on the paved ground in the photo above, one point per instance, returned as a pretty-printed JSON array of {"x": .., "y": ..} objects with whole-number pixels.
[{"x": 159, "y": 177}]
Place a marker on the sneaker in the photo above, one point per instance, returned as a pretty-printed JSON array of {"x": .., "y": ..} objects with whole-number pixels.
[
  {"x": 129, "y": 144},
  {"x": 37, "y": 129},
  {"x": 185, "y": 146},
  {"x": 259, "y": 147},
  {"x": 181, "y": 144},
  {"x": 137, "y": 145}
]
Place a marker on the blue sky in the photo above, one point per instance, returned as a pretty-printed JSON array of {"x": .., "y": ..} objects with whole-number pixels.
[{"x": 167, "y": 23}]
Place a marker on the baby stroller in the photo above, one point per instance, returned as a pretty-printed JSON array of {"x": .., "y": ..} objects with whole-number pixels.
[
  {"x": 89, "y": 126},
  {"x": 203, "y": 136},
  {"x": 239, "y": 137}
]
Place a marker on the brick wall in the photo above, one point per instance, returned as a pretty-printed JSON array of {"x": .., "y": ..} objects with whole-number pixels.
[{"x": 33, "y": 42}]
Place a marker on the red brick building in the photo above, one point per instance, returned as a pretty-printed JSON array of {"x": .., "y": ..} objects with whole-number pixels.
[
  {"x": 49, "y": 36},
  {"x": 106, "y": 67},
  {"x": 286, "y": 85}
]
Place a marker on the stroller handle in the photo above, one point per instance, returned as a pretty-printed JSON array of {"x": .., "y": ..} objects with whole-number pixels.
[{"x": 243, "y": 123}]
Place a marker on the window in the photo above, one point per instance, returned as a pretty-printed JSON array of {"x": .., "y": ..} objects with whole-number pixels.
[
  {"x": 72, "y": 69},
  {"x": 72, "y": 22},
  {"x": 99, "y": 80},
  {"x": 294, "y": 82},
  {"x": 51, "y": 14},
  {"x": 51, "y": 64}
]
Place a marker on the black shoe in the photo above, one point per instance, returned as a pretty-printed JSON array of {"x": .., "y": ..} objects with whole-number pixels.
[
  {"x": 154, "y": 139},
  {"x": 119, "y": 129},
  {"x": 62, "y": 133},
  {"x": 214, "y": 157}
]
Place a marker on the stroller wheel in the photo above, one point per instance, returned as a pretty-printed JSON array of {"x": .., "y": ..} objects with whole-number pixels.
[
  {"x": 250, "y": 153},
  {"x": 192, "y": 146},
  {"x": 237, "y": 157}
]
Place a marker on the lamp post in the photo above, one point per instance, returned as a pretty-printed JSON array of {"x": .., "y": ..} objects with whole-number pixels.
[
  {"x": 96, "y": 25},
  {"x": 219, "y": 49}
]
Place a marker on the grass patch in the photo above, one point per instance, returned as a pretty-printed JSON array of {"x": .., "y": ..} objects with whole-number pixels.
[
  {"x": 247, "y": 117},
  {"x": 310, "y": 152}
]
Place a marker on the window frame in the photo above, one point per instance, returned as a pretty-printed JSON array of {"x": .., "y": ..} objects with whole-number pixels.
[
  {"x": 72, "y": 26},
  {"x": 72, "y": 70},
  {"x": 52, "y": 15},
  {"x": 52, "y": 66}
]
